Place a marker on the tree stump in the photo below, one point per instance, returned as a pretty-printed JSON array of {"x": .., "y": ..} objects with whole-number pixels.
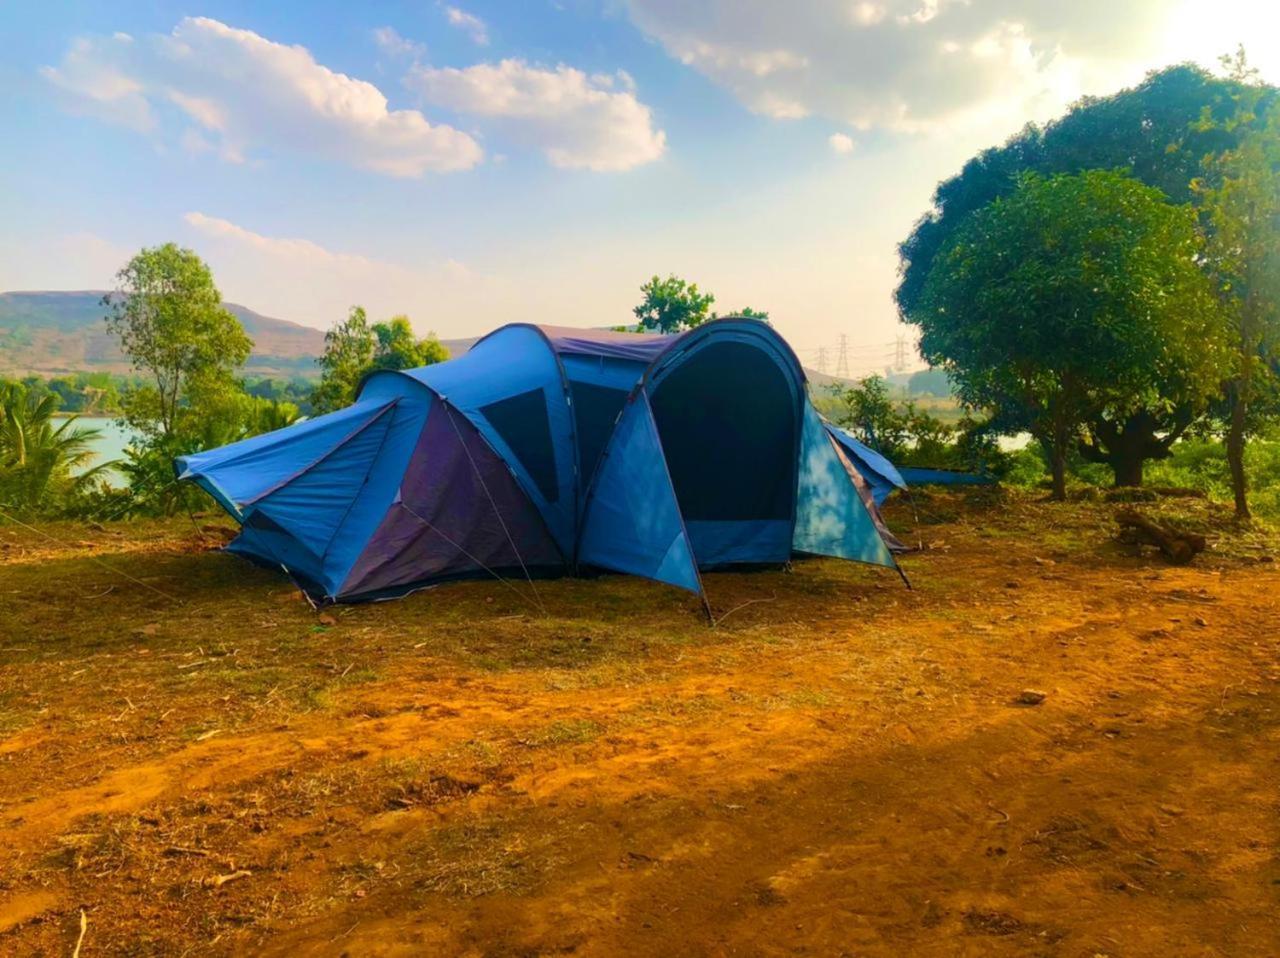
[{"x": 1178, "y": 547}]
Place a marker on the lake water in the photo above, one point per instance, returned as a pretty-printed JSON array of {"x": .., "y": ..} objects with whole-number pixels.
[{"x": 109, "y": 445}]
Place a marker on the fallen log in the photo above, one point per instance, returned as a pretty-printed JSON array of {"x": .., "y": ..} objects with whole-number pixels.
[{"x": 1178, "y": 547}]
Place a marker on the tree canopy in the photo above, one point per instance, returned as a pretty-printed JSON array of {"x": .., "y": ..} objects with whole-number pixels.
[
  {"x": 671, "y": 305},
  {"x": 1155, "y": 130},
  {"x": 1240, "y": 199},
  {"x": 169, "y": 318},
  {"x": 1074, "y": 301},
  {"x": 353, "y": 348}
]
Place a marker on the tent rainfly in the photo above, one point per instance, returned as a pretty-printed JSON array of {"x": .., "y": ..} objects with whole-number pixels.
[{"x": 548, "y": 451}]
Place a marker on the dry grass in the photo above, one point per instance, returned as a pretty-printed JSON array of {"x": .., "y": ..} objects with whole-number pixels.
[{"x": 843, "y": 767}]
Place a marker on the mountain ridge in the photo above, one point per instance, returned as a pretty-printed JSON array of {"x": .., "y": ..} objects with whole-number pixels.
[{"x": 52, "y": 332}]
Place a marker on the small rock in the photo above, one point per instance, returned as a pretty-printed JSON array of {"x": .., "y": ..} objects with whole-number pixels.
[
  {"x": 1030, "y": 697},
  {"x": 326, "y": 619},
  {"x": 1200, "y": 621},
  {"x": 1172, "y": 810}
]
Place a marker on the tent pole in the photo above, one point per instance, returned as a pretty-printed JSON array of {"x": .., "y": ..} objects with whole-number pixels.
[
  {"x": 706, "y": 607},
  {"x": 905, "y": 580}
]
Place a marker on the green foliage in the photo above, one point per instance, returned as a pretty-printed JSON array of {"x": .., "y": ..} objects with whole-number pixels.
[
  {"x": 295, "y": 392},
  {"x": 348, "y": 353},
  {"x": 168, "y": 316},
  {"x": 44, "y": 462},
  {"x": 92, "y": 393},
  {"x": 1154, "y": 130},
  {"x": 1240, "y": 201},
  {"x": 1077, "y": 300},
  {"x": 1197, "y": 463},
  {"x": 748, "y": 313},
  {"x": 672, "y": 304},
  {"x": 353, "y": 348},
  {"x": 908, "y": 435},
  {"x": 227, "y": 416},
  {"x": 399, "y": 348},
  {"x": 929, "y": 382}
]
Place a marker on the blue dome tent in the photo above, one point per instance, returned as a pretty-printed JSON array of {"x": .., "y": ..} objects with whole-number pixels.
[{"x": 546, "y": 451}]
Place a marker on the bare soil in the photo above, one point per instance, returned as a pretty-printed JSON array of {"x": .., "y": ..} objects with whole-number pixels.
[{"x": 840, "y": 767}]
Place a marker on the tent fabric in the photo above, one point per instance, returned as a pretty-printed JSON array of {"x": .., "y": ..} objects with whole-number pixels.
[
  {"x": 946, "y": 477},
  {"x": 459, "y": 511},
  {"x": 880, "y": 474},
  {"x": 549, "y": 451},
  {"x": 237, "y": 474},
  {"x": 633, "y": 522},
  {"x": 831, "y": 518}
]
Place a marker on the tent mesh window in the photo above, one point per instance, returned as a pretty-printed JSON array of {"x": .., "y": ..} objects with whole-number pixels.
[
  {"x": 521, "y": 420},
  {"x": 727, "y": 419},
  {"x": 596, "y": 409}
]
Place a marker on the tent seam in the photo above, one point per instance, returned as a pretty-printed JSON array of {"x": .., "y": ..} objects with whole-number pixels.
[
  {"x": 323, "y": 456},
  {"x": 351, "y": 505}
]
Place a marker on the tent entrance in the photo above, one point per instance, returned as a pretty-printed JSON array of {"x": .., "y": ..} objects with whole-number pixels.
[{"x": 727, "y": 417}]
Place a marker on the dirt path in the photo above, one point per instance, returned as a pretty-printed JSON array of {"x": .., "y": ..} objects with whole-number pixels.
[{"x": 842, "y": 769}]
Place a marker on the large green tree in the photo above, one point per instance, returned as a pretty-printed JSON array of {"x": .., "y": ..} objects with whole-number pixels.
[
  {"x": 1159, "y": 130},
  {"x": 1155, "y": 130},
  {"x": 1240, "y": 198},
  {"x": 354, "y": 347},
  {"x": 399, "y": 348},
  {"x": 167, "y": 314},
  {"x": 1073, "y": 303},
  {"x": 673, "y": 304},
  {"x": 169, "y": 318}
]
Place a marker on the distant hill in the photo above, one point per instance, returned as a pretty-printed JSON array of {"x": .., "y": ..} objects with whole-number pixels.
[{"x": 53, "y": 332}]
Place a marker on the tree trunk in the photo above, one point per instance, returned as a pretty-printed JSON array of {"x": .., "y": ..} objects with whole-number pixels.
[
  {"x": 1127, "y": 445},
  {"x": 1235, "y": 454},
  {"x": 1058, "y": 466},
  {"x": 1127, "y": 464}
]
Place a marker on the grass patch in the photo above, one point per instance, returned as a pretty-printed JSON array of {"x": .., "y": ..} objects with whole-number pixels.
[
  {"x": 474, "y": 859},
  {"x": 569, "y": 732}
]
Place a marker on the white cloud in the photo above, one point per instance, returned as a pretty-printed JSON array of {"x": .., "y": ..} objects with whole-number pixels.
[
  {"x": 578, "y": 121},
  {"x": 297, "y": 250},
  {"x": 470, "y": 24},
  {"x": 841, "y": 142},
  {"x": 246, "y": 93},
  {"x": 907, "y": 65},
  {"x": 94, "y": 81},
  {"x": 302, "y": 280},
  {"x": 391, "y": 43}
]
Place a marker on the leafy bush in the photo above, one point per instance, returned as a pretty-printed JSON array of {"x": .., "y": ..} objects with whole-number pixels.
[
  {"x": 910, "y": 436},
  {"x": 42, "y": 460},
  {"x": 1199, "y": 464}
]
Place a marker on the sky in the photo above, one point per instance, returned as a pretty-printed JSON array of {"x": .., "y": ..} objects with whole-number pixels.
[{"x": 537, "y": 160}]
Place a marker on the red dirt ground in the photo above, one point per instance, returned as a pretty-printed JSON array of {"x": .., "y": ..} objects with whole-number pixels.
[{"x": 841, "y": 767}]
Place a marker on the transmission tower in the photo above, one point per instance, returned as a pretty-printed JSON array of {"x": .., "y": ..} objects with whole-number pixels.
[
  {"x": 822, "y": 359},
  {"x": 842, "y": 359},
  {"x": 900, "y": 355}
]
